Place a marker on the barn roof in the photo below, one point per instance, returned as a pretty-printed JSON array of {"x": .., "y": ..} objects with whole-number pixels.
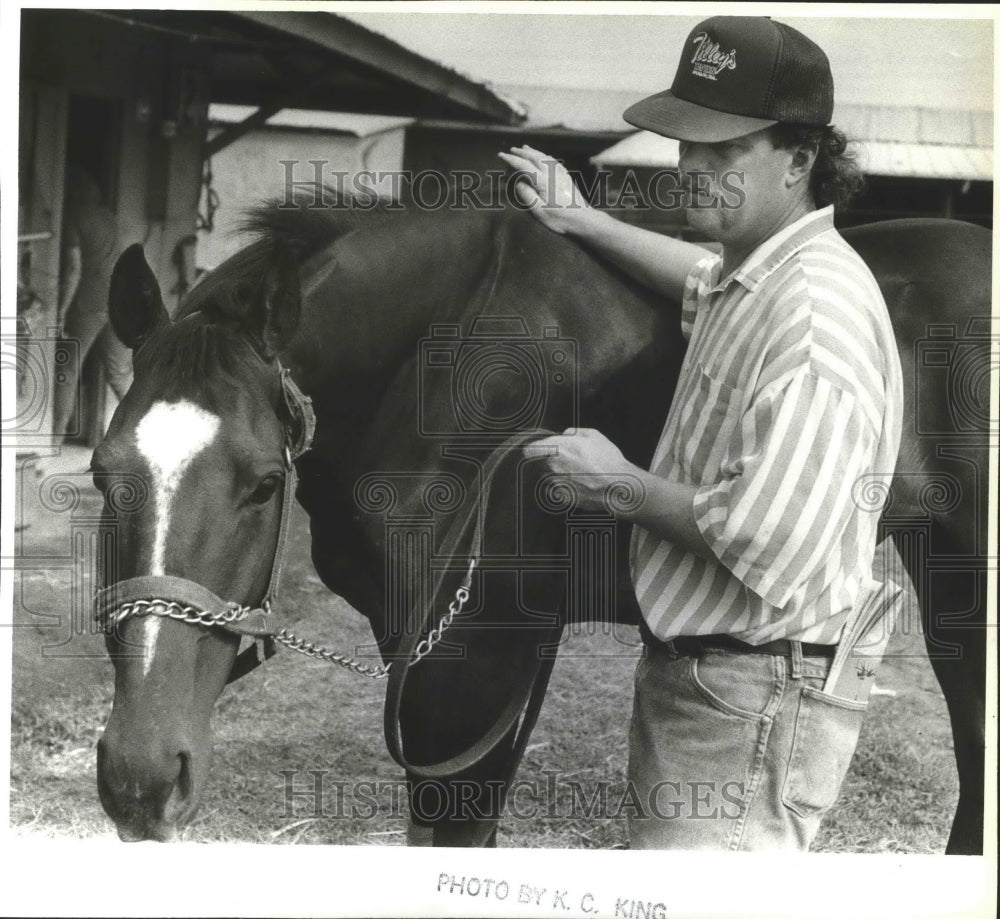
[
  {"x": 319, "y": 60},
  {"x": 585, "y": 110},
  {"x": 557, "y": 110},
  {"x": 352, "y": 123},
  {"x": 892, "y": 141}
]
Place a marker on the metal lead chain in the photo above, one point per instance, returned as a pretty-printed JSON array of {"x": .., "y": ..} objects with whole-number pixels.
[
  {"x": 454, "y": 609},
  {"x": 173, "y": 610},
  {"x": 290, "y": 640},
  {"x": 170, "y": 609}
]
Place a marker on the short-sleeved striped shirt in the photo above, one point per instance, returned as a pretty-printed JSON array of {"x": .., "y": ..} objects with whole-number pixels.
[{"x": 789, "y": 402}]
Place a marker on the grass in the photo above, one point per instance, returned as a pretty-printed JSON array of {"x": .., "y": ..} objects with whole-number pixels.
[{"x": 300, "y": 715}]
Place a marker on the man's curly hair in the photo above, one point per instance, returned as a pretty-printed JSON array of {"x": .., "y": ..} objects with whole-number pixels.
[{"x": 836, "y": 176}]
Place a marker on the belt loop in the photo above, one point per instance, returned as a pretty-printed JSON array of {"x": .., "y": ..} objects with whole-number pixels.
[
  {"x": 796, "y": 648},
  {"x": 671, "y": 649}
]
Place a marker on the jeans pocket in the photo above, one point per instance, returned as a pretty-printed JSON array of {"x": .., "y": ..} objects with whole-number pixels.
[
  {"x": 826, "y": 735},
  {"x": 743, "y": 685}
]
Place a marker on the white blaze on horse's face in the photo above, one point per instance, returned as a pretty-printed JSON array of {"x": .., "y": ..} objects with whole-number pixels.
[{"x": 169, "y": 436}]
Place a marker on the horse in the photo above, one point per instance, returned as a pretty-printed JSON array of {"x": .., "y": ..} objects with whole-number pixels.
[{"x": 433, "y": 345}]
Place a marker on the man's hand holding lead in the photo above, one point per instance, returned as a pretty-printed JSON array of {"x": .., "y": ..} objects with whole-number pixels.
[{"x": 590, "y": 463}]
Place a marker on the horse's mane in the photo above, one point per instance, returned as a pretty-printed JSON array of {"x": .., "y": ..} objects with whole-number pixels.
[
  {"x": 302, "y": 225},
  {"x": 207, "y": 337},
  {"x": 310, "y": 221}
]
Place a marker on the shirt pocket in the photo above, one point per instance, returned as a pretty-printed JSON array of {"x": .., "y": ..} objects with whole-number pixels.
[{"x": 710, "y": 416}]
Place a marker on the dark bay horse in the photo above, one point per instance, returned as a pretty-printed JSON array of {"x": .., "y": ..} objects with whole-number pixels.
[{"x": 425, "y": 340}]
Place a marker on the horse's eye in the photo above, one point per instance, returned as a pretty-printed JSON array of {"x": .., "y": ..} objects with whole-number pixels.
[{"x": 265, "y": 489}]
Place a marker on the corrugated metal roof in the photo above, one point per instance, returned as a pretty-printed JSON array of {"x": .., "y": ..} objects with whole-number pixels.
[
  {"x": 585, "y": 110},
  {"x": 311, "y": 119},
  {"x": 927, "y": 161},
  {"x": 912, "y": 125},
  {"x": 911, "y": 142}
]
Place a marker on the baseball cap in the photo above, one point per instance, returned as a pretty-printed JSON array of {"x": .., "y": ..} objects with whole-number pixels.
[{"x": 737, "y": 75}]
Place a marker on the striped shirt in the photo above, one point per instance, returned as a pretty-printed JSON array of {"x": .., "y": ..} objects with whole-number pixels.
[{"x": 787, "y": 417}]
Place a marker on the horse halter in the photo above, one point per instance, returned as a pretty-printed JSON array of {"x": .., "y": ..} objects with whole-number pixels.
[{"x": 188, "y": 601}]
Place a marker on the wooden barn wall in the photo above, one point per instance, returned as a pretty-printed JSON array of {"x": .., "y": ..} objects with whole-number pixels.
[
  {"x": 251, "y": 170},
  {"x": 155, "y": 81}
]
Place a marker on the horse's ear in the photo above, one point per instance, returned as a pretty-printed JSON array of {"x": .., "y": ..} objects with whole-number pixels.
[
  {"x": 135, "y": 305},
  {"x": 278, "y": 305}
]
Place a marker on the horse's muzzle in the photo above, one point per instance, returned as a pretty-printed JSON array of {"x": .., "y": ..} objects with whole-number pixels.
[{"x": 149, "y": 797}]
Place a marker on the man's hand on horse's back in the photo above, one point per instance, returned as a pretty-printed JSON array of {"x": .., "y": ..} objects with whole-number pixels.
[{"x": 547, "y": 190}]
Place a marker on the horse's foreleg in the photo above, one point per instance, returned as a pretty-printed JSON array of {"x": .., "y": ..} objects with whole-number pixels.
[
  {"x": 462, "y": 810},
  {"x": 962, "y": 681},
  {"x": 954, "y": 632}
]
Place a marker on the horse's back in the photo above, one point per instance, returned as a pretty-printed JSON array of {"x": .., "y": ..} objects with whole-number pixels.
[
  {"x": 930, "y": 270},
  {"x": 936, "y": 277}
]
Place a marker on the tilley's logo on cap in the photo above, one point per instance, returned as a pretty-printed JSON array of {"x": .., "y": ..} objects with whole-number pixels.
[{"x": 708, "y": 60}]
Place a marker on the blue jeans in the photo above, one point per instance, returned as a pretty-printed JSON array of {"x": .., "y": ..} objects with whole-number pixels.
[{"x": 734, "y": 751}]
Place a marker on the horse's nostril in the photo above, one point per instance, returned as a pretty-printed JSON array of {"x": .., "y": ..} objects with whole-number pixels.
[
  {"x": 103, "y": 779},
  {"x": 179, "y": 800},
  {"x": 184, "y": 777}
]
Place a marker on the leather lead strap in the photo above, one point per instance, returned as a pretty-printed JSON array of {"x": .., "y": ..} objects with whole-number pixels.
[{"x": 528, "y": 701}]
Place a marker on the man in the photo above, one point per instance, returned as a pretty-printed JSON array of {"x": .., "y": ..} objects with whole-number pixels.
[
  {"x": 750, "y": 556},
  {"x": 89, "y": 240}
]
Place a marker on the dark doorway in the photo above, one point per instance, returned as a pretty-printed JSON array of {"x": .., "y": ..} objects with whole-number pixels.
[{"x": 93, "y": 141}]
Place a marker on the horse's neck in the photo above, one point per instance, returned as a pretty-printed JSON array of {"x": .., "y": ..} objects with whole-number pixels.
[
  {"x": 373, "y": 299},
  {"x": 369, "y": 298},
  {"x": 373, "y": 296}
]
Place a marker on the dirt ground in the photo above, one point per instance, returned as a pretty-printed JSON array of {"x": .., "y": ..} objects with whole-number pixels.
[{"x": 297, "y": 718}]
